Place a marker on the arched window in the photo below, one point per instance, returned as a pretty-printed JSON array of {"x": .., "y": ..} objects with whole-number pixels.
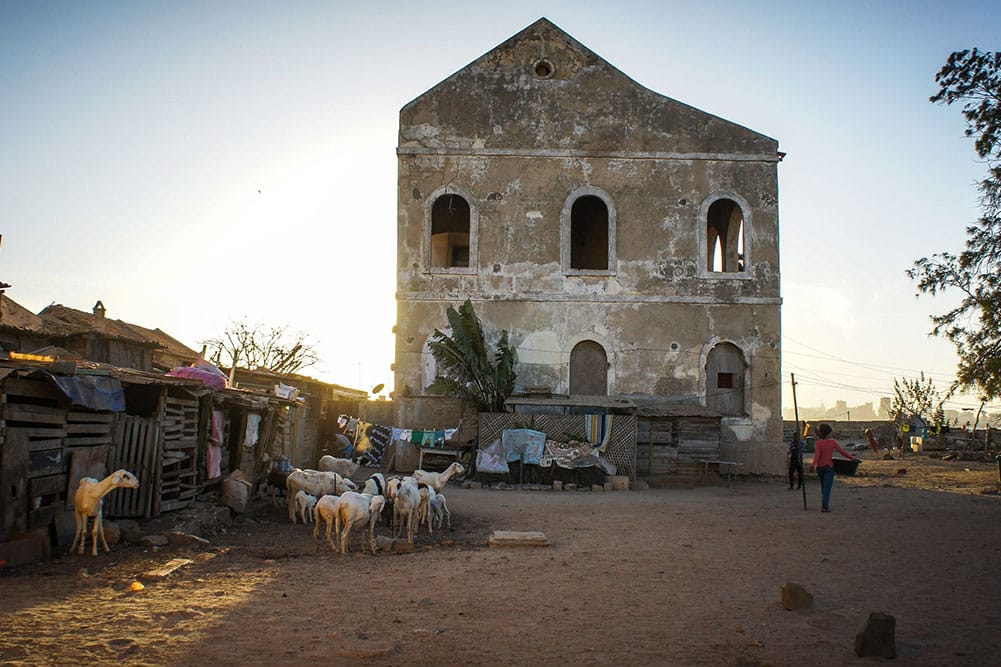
[
  {"x": 725, "y": 371},
  {"x": 589, "y": 234},
  {"x": 450, "y": 232},
  {"x": 588, "y": 369},
  {"x": 725, "y": 237},
  {"x": 588, "y": 228}
]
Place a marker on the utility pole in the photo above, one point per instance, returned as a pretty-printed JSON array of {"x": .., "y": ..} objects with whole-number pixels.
[{"x": 795, "y": 407}]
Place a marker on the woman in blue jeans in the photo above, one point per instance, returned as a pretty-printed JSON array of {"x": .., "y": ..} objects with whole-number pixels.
[{"x": 823, "y": 463}]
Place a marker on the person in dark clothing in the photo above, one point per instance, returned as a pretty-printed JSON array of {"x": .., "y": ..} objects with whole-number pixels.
[{"x": 796, "y": 450}]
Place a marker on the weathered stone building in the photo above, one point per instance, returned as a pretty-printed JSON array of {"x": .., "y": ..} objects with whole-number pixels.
[{"x": 628, "y": 242}]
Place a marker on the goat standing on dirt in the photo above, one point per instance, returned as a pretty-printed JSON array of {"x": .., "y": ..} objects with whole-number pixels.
[{"x": 89, "y": 502}]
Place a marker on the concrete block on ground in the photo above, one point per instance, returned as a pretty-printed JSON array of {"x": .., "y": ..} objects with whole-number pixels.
[
  {"x": 512, "y": 538},
  {"x": 794, "y": 597},
  {"x": 877, "y": 636},
  {"x": 619, "y": 482},
  {"x": 167, "y": 569}
]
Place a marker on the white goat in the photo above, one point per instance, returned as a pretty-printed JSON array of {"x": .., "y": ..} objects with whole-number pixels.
[
  {"x": 305, "y": 506},
  {"x": 357, "y": 509},
  {"x": 438, "y": 480},
  {"x": 343, "y": 467},
  {"x": 424, "y": 507},
  {"x": 408, "y": 498},
  {"x": 89, "y": 502},
  {"x": 315, "y": 483},
  {"x": 326, "y": 508},
  {"x": 439, "y": 511}
]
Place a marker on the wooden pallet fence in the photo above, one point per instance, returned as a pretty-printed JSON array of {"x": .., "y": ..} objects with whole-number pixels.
[
  {"x": 179, "y": 459},
  {"x": 136, "y": 450},
  {"x": 88, "y": 429}
]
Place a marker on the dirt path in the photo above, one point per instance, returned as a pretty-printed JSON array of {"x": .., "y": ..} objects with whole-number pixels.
[{"x": 664, "y": 576}]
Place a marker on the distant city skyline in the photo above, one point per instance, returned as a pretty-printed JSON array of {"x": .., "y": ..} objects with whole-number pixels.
[{"x": 880, "y": 410}]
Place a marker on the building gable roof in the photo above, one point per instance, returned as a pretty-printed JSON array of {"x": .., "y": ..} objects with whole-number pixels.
[
  {"x": 59, "y": 320},
  {"x": 169, "y": 343},
  {"x": 542, "y": 90},
  {"x": 16, "y": 316}
]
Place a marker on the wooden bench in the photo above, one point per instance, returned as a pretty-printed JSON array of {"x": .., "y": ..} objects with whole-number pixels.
[
  {"x": 455, "y": 454},
  {"x": 727, "y": 469}
]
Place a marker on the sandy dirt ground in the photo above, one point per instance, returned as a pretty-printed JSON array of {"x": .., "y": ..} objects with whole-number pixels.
[{"x": 655, "y": 577}]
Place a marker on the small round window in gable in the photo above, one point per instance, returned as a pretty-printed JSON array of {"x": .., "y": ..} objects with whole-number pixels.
[{"x": 543, "y": 69}]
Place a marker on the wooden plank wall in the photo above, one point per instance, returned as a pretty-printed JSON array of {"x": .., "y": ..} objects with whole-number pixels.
[
  {"x": 664, "y": 444},
  {"x": 35, "y": 462},
  {"x": 656, "y": 446},
  {"x": 698, "y": 438}
]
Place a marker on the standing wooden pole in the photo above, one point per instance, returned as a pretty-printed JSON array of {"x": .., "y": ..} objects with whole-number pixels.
[{"x": 795, "y": 407}]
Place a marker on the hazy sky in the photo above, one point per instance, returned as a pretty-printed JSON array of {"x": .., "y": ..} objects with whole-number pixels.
[{"x": 192, "y": 163}]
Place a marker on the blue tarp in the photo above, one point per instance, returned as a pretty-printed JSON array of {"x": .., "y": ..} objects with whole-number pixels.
[
  {"x": 94, "y": 392},
  {"x": 523, "y": 444}
]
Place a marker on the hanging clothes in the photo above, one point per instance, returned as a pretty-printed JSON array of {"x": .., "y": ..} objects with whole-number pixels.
[
  {"x": 215, "y": 432},
  {"x": 598, "y": 429},
  {"x": 253, "y": 430}
]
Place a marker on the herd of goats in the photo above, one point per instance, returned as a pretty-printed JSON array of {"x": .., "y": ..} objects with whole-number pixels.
[{"x": 328, "y": 495}]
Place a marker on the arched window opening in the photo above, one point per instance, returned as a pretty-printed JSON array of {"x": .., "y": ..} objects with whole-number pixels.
[
  {"x": 588, "y": 369},
  {"x": 725, "y": 237},
  {"x": 589, "y": 234},
  {"x": 450, "y": 232},
  {"x": 725, "y": 370}
]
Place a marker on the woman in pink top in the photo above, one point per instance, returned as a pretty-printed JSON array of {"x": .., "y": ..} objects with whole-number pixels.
[{"x": 823, "y": 463}]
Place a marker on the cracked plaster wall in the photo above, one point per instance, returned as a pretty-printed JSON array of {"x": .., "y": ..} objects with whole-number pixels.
[{"x": 517, "y": 147}]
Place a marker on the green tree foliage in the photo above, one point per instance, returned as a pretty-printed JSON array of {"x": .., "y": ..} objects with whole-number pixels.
[
  {"x": 973, "y": 78},
  {"x": 261, "y": 347},
  {"x": 917, "y": 397},
  {"x": 466, "y": 366}
]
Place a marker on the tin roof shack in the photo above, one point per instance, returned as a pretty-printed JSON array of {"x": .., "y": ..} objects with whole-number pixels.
[
  {"x": 63, "y": 420},
  {"x": 254, "y": 428},
  {"x": 308, "y": 421},
  {"x": 95, "y": 337},
  {"x": 671, "y": 439}
]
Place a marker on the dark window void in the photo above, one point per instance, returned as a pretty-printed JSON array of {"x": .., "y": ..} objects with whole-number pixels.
[
  {"x": 725, "y": 380},
  {"x": 589, "y": 234},
  {"x": 588, "y": 369},
  {"x": 450, "y": 232},
  {"x": 725, "y": 237}
]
